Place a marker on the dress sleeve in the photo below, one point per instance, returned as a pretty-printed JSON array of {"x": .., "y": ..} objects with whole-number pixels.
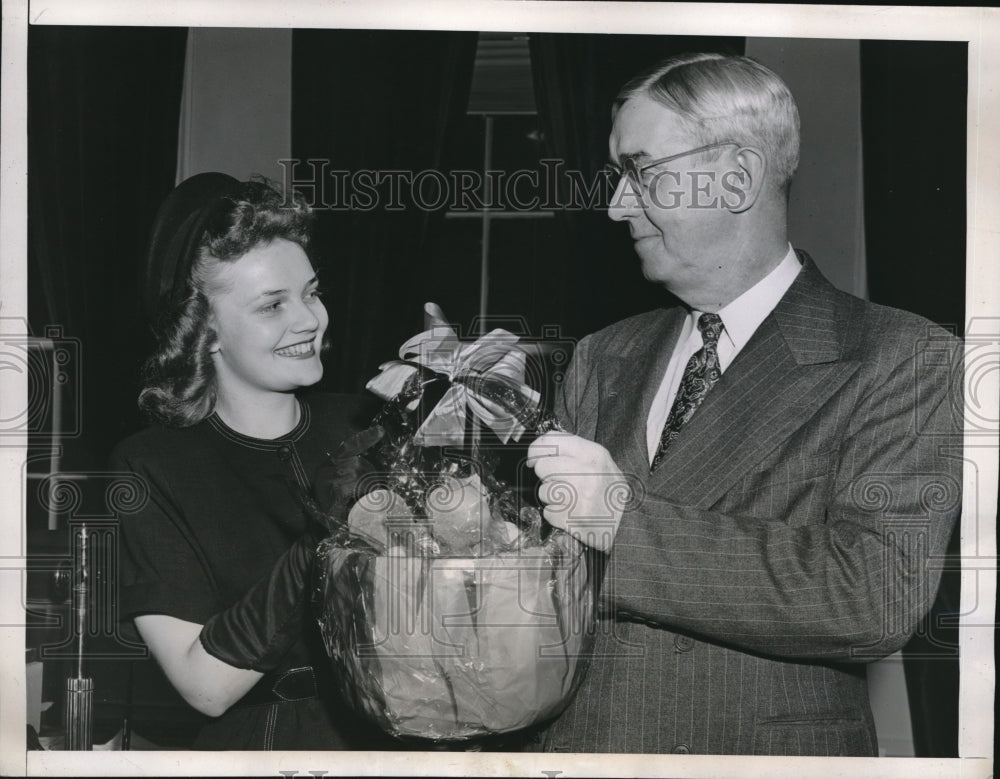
[{"x": 163, "y": 570}]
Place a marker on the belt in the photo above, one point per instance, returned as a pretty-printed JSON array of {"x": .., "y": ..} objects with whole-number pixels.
[{"x": 295, "y": 684}]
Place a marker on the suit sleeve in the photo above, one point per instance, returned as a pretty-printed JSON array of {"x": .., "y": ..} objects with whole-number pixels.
[
  {"x": 567, "y": 410},
  {"x": 849, "y": 588}
]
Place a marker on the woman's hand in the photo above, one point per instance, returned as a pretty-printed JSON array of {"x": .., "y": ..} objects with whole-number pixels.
[
  {"x": 583, "y": 488},
  {"x": 213, "y": 665},
  {"x": 335, "y": 482}
]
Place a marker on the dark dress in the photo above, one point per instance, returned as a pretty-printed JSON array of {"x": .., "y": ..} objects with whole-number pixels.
[{"x": 222, "y": 508}]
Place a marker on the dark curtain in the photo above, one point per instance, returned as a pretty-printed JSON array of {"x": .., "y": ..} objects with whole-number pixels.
[
  {"x": 913, "y": 100},
  {"x": 576, "y": 78},
  {"x": 103, "y": 110},
  {"x": 375, "y": 101}
]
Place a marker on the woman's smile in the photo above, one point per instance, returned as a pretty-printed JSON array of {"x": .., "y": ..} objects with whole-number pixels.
[{"x": 297, "y": 351}]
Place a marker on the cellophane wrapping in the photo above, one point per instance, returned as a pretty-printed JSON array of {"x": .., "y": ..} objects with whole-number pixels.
[
  {"x": 451, "y": 648},
  {"x": 448, "y": 608}
]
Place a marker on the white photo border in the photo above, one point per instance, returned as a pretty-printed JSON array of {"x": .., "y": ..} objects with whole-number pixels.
[{"x": 978, "y": 26}]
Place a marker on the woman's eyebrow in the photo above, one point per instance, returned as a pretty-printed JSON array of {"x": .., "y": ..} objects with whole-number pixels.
[{"x": 271, "y": 293}]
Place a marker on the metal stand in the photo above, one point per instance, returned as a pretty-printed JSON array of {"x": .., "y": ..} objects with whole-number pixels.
[{"x": 79, "y": 712}]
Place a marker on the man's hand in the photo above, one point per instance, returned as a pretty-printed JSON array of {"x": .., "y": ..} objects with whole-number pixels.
[{"x": 584, "y": 490}]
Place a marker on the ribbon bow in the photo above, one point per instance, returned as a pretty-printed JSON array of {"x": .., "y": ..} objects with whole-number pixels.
[{"x": 493, "y": 356}]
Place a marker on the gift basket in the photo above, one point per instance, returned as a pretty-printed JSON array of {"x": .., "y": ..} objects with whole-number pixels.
[{"x": 448, "y": 608}]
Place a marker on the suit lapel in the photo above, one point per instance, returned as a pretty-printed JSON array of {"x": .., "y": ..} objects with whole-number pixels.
[
  {"x": 787, "y": 370},
  {"x": 629, "y": 381}
]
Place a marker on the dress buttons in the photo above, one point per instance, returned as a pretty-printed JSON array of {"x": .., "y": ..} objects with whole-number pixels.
[
  {"x": 285, "y": 453},
  {"x": 682, "y": 749},
  {"x": 684, "y": 643}
]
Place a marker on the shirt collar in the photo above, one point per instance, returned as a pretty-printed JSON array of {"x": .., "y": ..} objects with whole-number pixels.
[{"x": 742, "y": 316}]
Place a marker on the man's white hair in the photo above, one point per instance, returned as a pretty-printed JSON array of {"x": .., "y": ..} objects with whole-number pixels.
[{"x": 726, "y": 98}]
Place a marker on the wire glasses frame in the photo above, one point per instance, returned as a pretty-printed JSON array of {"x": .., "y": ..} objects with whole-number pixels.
[{"x": 635, "y": 173}]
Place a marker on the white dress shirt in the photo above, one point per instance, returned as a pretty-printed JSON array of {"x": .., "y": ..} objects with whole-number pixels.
[{"x": 740, "y": 318}]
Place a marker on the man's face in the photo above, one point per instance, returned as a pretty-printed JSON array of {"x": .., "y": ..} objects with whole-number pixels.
[{"x": 678, "y": 215}]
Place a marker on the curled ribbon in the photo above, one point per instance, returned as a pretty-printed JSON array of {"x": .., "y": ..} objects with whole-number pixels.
[{"x": 493, "y": 356}]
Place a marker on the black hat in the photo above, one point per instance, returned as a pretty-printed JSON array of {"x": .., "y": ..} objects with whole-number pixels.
[{"x": 179, "y": 228}]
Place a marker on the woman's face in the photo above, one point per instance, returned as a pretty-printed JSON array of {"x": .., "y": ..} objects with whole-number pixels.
[{"x": 269, "y": 321}]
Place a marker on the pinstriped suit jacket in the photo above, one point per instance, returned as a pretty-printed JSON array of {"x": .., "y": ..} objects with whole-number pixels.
[{"x": 788, "y": 537}]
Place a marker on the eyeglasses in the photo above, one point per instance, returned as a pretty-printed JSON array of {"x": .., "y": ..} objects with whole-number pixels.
[{"x": 635, "y": 173}]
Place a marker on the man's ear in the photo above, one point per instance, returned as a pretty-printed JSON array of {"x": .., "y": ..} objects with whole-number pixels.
[{"x": 743, "y": 185}]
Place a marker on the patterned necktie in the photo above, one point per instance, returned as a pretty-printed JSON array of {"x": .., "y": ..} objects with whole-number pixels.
[{"x": 700, "y": 375}]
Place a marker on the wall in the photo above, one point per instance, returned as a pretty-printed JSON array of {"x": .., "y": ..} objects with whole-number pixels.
[
  {"x": 236, "y": 115},
  {"x": 826, "y": 216}
]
